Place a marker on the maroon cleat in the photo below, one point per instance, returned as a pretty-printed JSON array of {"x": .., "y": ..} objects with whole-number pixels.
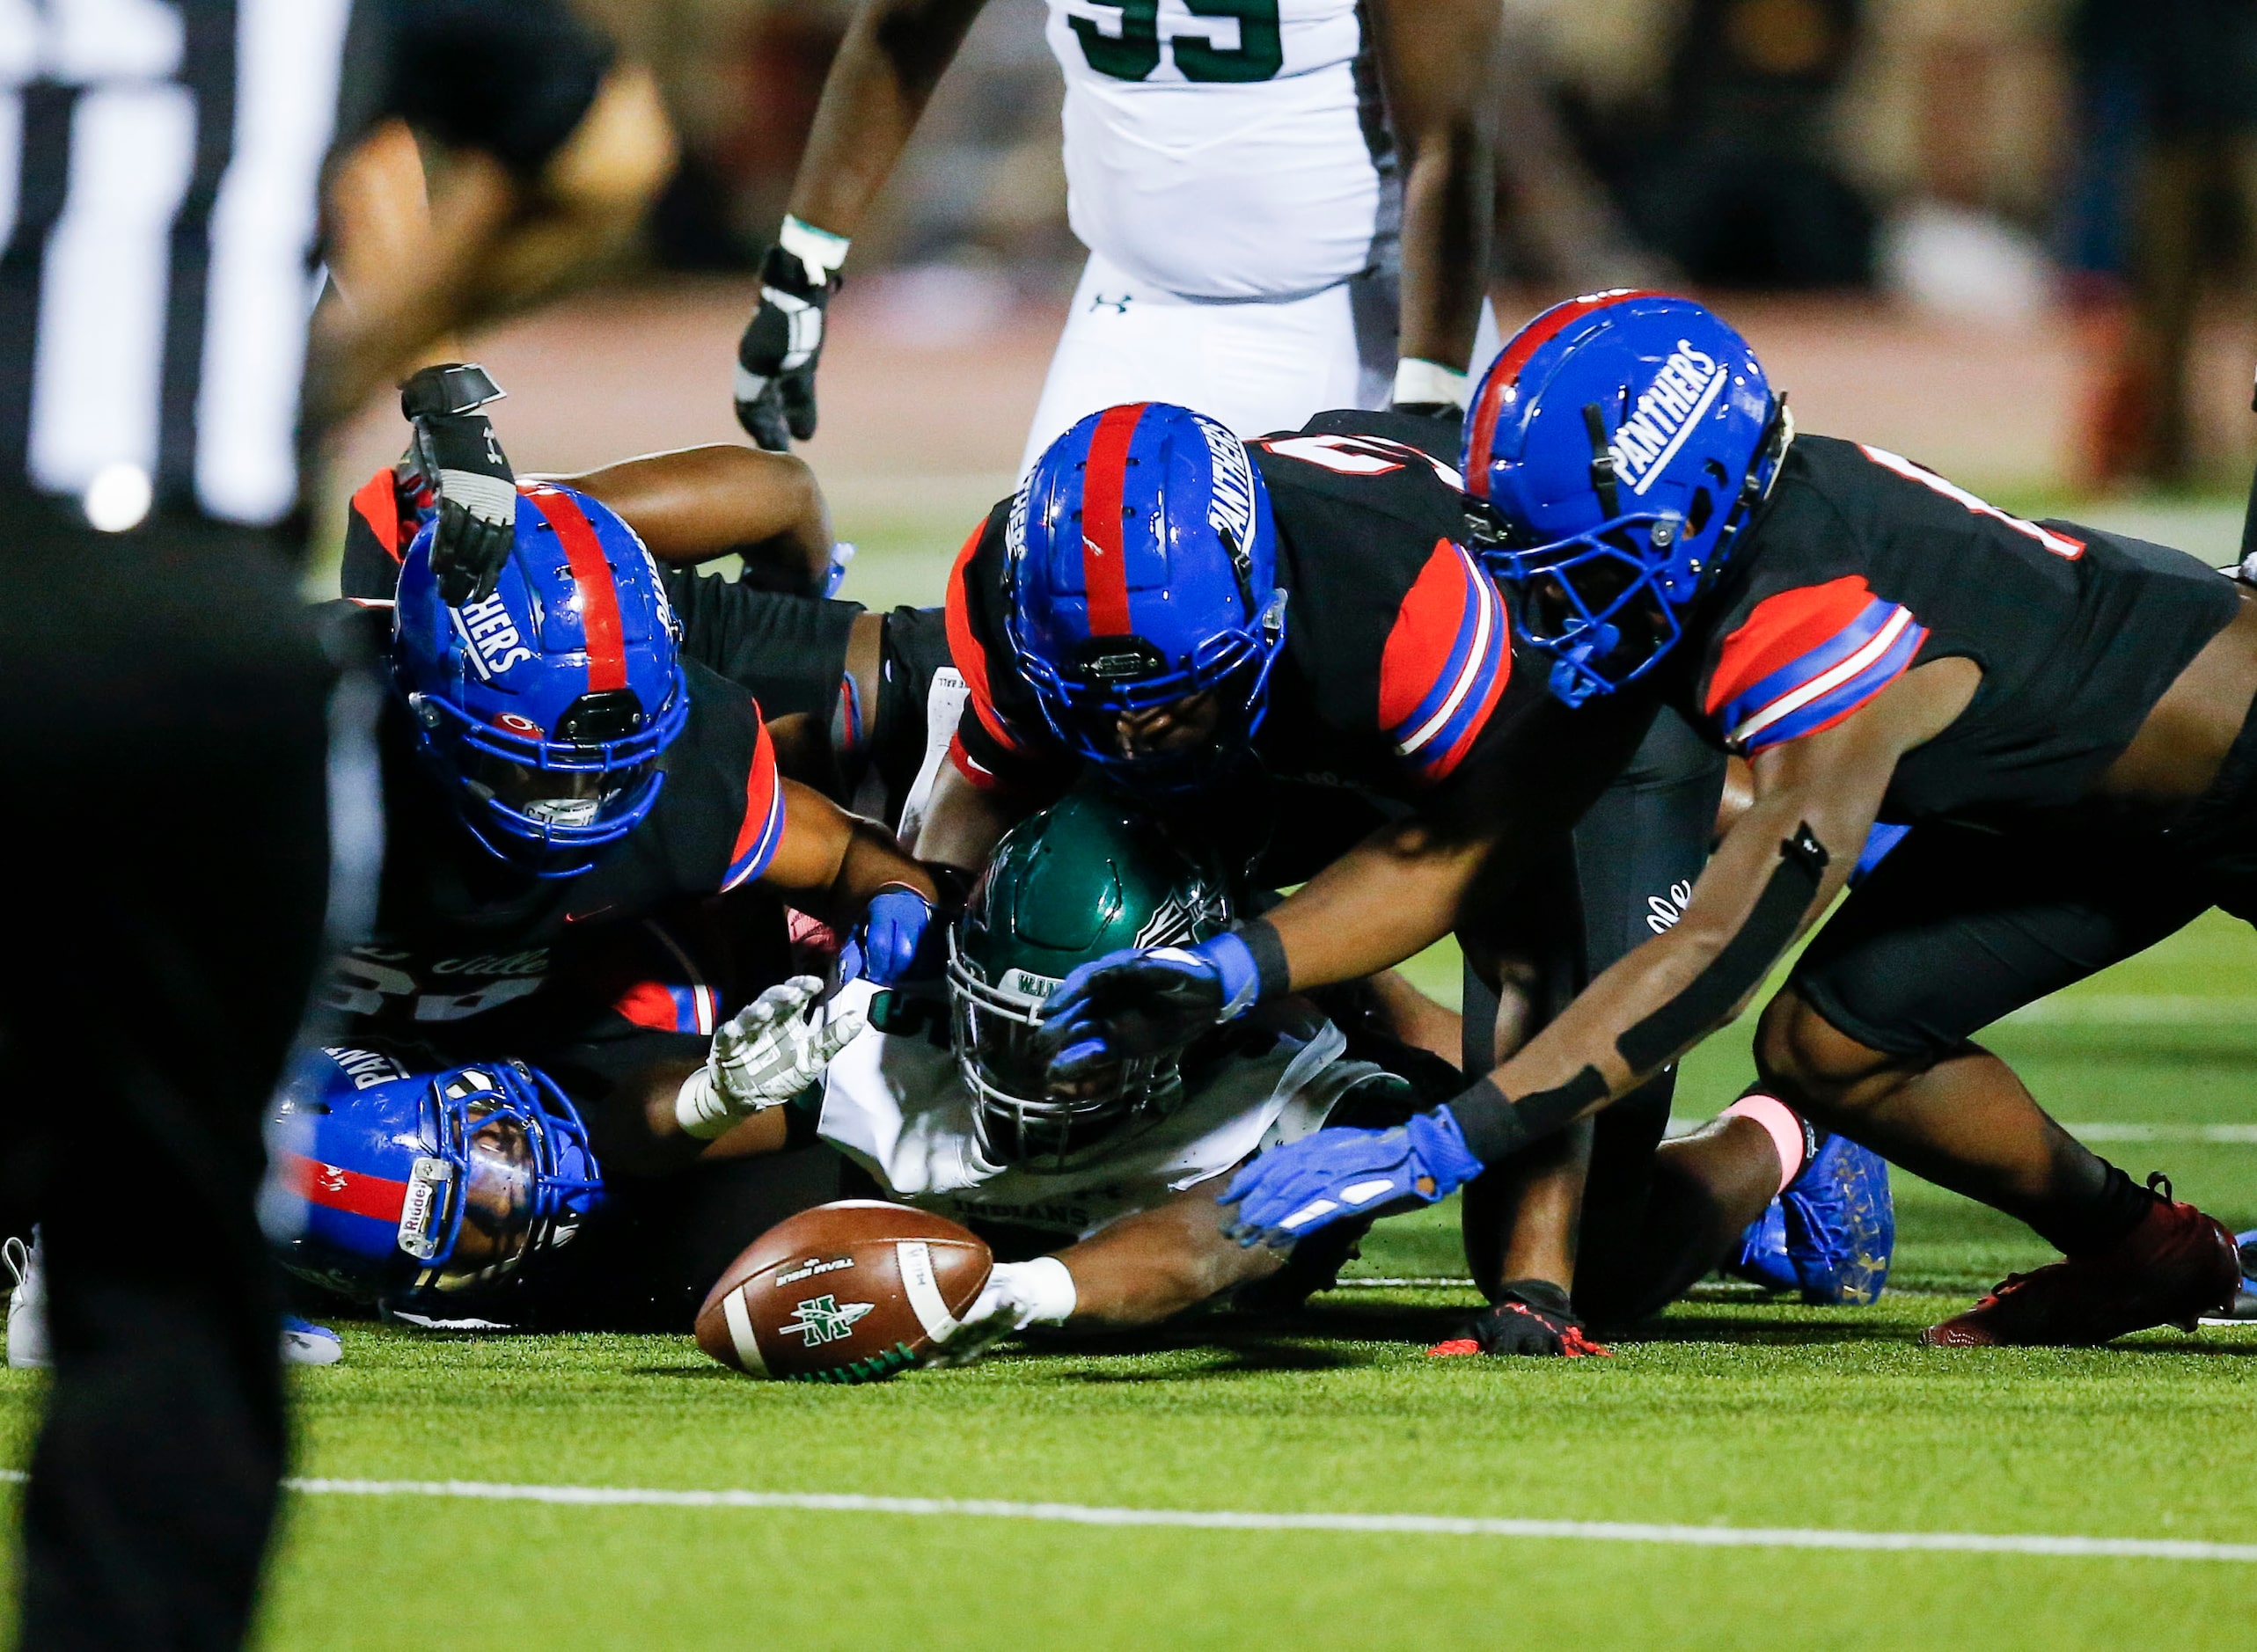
[{"x": 2177, "y": 1265}]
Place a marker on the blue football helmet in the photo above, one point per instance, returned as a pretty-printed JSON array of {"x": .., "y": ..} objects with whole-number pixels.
[
  {"x": 544, "y": 707},
  {"x": 1616, "y": 447},
  {"x": 1141, "y": 567},
  {"x": 425, "y": 1188}
]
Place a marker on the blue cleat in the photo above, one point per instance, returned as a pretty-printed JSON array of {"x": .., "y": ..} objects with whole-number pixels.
[
  {"x": 1762, "y": 1260},
  {"x": 1840, "y": 1225}
]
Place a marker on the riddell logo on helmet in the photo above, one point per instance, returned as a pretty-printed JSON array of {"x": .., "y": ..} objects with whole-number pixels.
[
  {"x": 1681, "y": 392},
  {"x": 490, "y": 633}
]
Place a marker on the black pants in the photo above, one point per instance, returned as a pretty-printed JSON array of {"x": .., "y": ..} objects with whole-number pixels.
[
  {"x": 1624, "y": 877},
  {"x": 163, "y": 722}
]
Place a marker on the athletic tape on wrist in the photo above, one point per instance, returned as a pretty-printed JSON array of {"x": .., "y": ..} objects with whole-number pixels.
[
  {"x": 1273, "y": 974},
  {"x": 1496, "y": 1127},
  {"x": 1420, "y": 381},
  {"x": 1050, "y": 1289},
  {"x": 822, "y": 252},
  {"x": 1740, "y": 966}
]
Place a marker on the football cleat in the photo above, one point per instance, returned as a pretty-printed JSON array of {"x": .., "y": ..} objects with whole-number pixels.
[
  {"x": 26, "y": 1303},
  {"x": 2177, "y": 1265},
  {"x": 306, "y": 1343},
  {"x": 1840, "y": 1224},
  {"x": 2244, "y": 1310},
  {"x": 1762, "y": 1259}
]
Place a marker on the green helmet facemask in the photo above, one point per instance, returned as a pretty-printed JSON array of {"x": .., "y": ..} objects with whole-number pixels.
[{"x": 1091, "y": 875}]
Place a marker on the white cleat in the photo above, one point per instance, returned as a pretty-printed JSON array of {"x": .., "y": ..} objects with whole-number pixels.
[
  {"x": 304, "y": 1342},
  {"x": 26, "y": 1303}
]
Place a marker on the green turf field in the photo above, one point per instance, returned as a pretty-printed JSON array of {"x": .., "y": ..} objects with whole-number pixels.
[{"x": 1736, "y": 1412}]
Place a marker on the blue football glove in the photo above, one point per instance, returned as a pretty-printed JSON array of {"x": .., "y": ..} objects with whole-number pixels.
[
  {"x": 887, "y": 947},
  {"x": 1140, "y": 1003},
  {"x": 1293, "y": 1190}
]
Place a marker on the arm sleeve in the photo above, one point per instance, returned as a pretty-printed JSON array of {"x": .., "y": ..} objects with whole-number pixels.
[{"x": 510, "y": 77}]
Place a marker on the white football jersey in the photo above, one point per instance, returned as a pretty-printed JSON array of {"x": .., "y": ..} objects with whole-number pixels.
[
  {"x": 1222, "y": 149},
  {"x": 896, "y": 1105}
]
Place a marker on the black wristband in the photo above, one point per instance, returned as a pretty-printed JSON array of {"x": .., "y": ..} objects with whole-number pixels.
[
  {"x": 1496, "y": 1127},
  {"x": 1271, "y": 974}
]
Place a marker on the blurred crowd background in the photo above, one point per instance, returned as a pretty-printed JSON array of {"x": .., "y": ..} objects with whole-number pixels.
[{"x": 2016, "y": 237}]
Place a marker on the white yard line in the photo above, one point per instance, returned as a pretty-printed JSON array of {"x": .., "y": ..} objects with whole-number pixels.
[{"x": 1234, "y": 1520}]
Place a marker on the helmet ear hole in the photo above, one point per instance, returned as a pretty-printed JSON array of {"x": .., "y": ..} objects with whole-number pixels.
[{"x": 1697, "y": 513}]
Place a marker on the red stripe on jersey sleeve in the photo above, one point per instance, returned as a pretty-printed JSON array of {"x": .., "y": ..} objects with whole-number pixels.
[
  {"x": 762, "y": 828},
  {"x": 1424, "y": 636},
  {"x": 378, "y": 504},
  {"x": 335, "y": 1188},
  {"x": 1782, "y": 629},
  {"x": 1104, "y": 553},
  {"x": 964, "y": 650},
  {"x": 591, "y": 572}
]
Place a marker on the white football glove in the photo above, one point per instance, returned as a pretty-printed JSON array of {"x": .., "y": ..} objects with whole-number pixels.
[
  {"x": 1016, "y": 1296},
  {"x": 762, "y": 1057}
]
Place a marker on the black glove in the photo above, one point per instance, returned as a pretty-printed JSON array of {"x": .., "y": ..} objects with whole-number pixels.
[
  {"x": 1530, "y": 1316},
  {"x": 454, "y": 455},
  {"x": 776, "y": 358}
]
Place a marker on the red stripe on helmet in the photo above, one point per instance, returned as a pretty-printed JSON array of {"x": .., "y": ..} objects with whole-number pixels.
[
  {"x": 336, "y": 1188},
  {"x": 1506, "y": 373},
  {"x": 591, "y": 572},
  {"x": 1104, "y": 555}
]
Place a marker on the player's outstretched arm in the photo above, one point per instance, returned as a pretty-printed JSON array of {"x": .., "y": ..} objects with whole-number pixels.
[
  {"x": 1434, "y": 58},
  {"x": 1777, "y": 868},
  {"x": 695, "y": 504},
  {"x": 846, "y": 870},
  {"x": 895, "y": 51},
  {"x": 1140, "y": 1270}
]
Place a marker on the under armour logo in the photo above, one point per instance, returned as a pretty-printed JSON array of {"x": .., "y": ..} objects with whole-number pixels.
[{"x": 1118, "y": 306}]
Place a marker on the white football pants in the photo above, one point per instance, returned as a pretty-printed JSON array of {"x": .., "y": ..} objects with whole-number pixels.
[{"x": 1259, "y": 366}]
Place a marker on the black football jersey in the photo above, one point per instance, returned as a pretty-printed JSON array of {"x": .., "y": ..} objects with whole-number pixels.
[
  {"x": 469, "y": 955},
  {"x": 1397, "y": 662},
  {"x": 1862, "y": 565}
]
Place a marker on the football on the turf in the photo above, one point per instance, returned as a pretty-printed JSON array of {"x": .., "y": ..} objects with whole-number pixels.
[{"x": 845, "y": 1293}]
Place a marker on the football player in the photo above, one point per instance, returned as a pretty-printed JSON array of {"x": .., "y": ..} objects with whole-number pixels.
[
  {"x": 572, "y": 814},
  {"x": 2057, "y": 712},
  {"x": 1288, "y": 638},
  {"x": 848, "y": 695},
  {"x": 1239, "y": 177}
]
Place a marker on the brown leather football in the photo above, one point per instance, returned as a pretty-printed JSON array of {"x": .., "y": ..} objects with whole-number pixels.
[{"x": 848, "y": 1292}]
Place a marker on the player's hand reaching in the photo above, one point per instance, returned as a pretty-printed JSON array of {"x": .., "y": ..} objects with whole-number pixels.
[
  {"x": 894, "y": 940},
  {"x": 762, "y": 1056},
  {"x": 454, "y": 455},
  {"x": 1140, "y": 1003},
  {"x": 1293, "y": 1190},
  {"x": 1016, "y": 1296},
  {"x": 1531, "y": 1316},
  {"x": 777, "y": 356}
]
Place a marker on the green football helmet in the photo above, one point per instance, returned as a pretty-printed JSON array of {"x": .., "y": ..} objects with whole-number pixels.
[{"x": 1091, "y": 875}]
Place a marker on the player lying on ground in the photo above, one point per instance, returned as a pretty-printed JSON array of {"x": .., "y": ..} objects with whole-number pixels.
[
  {"x": 1285, "y": 638},
  {"x": 2060, "y": 714},
  {"x": 566, "y": 803}
]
